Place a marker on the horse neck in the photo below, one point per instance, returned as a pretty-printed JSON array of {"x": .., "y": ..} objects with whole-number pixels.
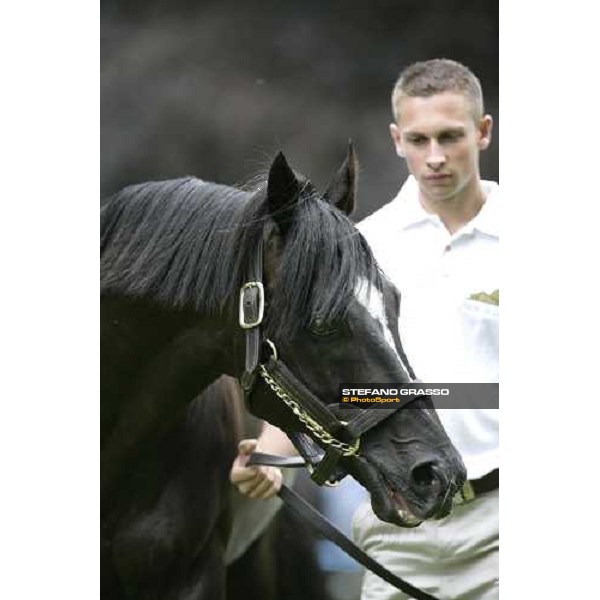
[
  {"x": 136, "y": 333},
  {"x": 154, "y": 363}
]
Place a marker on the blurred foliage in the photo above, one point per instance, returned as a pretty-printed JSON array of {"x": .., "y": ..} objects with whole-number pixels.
[{"x": 215, "y": 89}]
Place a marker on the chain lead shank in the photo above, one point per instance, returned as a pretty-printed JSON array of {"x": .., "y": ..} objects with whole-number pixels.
[{"x": 311, "y": 424}]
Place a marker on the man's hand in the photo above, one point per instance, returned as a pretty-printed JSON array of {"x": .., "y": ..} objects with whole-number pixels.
[{"x": 255, "y": 482}]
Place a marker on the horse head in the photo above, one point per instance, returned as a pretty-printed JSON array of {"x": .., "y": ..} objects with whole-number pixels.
[
  {"x": 331, "y": 316},
  {"x": 175, "y": 255}
]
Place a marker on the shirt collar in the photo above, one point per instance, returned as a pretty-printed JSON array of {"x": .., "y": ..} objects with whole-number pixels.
[
  {"x": 410, "y": 210},
  {"x": 412, "y": 213},
  {"x": 488, "y": 218}
]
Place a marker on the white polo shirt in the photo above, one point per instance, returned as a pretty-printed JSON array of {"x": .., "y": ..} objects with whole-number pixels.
[{"x": 446, "y": 336}]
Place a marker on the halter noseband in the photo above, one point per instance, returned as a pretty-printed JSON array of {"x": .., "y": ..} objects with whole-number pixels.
[{"x": 338, "y": 438}]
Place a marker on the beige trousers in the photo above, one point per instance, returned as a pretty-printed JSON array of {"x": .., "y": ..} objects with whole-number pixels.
[{"x": 455, "y": 558}]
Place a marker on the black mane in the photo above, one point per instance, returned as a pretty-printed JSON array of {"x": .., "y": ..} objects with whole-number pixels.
[{"x": 186, "y": 243}]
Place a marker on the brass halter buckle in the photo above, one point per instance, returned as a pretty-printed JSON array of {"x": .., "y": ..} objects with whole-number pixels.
[{"x": 261, "y": 304}]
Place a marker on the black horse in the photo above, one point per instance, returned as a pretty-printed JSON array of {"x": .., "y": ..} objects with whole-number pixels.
[{"x": 175, "y": 255}]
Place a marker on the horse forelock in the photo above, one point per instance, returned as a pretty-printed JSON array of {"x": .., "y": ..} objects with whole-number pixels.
[
  {"x": 187, "y": 243},
  {"x": 322, "y": 259}
]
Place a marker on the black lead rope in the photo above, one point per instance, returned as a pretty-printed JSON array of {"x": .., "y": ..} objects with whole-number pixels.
[{"x": 322, "y": 525}]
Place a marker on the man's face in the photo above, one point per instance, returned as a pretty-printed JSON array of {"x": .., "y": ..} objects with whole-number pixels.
[{"x": 441, "y": 140}]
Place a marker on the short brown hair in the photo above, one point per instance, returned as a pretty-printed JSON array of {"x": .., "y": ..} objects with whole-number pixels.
[{"x": 430, "y": 77}]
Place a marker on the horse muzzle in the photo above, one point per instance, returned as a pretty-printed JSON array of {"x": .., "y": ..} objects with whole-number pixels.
[{"x": 426, "y": 493}]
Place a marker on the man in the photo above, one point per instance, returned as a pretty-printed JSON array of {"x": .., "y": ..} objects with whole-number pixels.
[{"x": 438, "y": 242}]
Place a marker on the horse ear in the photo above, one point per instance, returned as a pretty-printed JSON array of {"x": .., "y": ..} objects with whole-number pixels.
[
  {"x": 342, "y": 190},
  {"x": 283, "y": 191}
]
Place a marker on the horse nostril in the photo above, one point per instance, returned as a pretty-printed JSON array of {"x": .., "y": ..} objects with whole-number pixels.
[{"x": 424, "y": 474}]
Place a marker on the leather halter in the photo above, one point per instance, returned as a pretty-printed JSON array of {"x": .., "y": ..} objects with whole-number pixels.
[{"x": 324, "y": 430}]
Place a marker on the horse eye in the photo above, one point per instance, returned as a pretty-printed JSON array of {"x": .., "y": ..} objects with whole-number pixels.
[{"x": 320, "y": 326}]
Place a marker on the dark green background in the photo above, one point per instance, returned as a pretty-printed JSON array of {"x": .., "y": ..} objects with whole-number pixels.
[{"x": 215, "y": 88}]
